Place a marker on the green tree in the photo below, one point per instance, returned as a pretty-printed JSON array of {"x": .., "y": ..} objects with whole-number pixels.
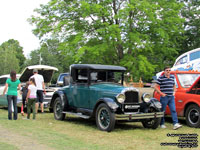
[
  {"x": 140, "y": 35},
  {"x": 50, "y": 54},
  {"x": 191, "y": 13},
  {"x": 8, "y": 58},
  {"x": 18, "y": 51}
]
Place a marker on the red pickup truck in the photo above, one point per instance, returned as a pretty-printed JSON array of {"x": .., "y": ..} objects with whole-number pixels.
[{"x": 187, "y": 96}]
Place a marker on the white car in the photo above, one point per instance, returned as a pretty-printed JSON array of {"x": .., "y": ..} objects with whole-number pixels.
[
  {"x": 3, "y": 99},
  {"x": 46, "y": 71}
]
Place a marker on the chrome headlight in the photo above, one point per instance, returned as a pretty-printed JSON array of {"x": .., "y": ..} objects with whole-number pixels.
[
  {"x": 120, "y": 98},
  {"x": 146, "y": 97},
  {"x": 158, "y": 105}
]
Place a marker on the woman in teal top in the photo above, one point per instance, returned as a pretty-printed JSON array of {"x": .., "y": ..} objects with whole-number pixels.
[{"x": 12, "y": 84}]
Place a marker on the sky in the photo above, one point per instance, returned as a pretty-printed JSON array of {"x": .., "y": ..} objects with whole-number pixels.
[{"x": 14, "y": 24}]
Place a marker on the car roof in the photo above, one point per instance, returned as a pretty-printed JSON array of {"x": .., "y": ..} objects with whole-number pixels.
[
  {"x": 186, "y": 53},
  {"x": 97, "y": 67}
]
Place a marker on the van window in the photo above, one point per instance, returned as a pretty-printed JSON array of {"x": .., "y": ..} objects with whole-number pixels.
[
  {"x": 194, "y": 55},
  {"x": 3, "y": 81},
  {"x": 182, "y": 60}
]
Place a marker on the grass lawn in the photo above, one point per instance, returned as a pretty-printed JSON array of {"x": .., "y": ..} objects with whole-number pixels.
[{"x": 78, "y": 134}]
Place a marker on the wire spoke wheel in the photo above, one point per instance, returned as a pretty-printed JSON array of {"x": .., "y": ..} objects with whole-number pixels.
[{"x": 105, "y": 119}]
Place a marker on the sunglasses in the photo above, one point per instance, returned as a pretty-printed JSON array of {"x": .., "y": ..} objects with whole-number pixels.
[{"x": 168, "y": 70}]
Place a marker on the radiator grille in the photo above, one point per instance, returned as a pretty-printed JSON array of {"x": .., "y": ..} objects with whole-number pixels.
[{"x": 131, "y": 97}]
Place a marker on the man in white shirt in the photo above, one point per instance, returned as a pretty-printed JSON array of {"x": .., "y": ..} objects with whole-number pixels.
[{"x": 39, "y": 80}]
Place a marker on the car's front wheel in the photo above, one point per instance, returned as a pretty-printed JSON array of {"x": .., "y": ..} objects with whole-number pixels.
[
  {"x": 105, "y": 119},
  {"x": 152, "y": 123},
  {"x": 57, "y": 109},
  {"x": 193, "y": 116}
]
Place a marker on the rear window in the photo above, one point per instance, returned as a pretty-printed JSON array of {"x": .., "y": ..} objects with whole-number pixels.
[{"x": 62, "y": 76}]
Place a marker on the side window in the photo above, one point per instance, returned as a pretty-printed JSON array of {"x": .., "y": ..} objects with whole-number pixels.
[
  {"x": 194, "y": 55},
  {"x": 101, "y": 76},
  {"x": 81, "y": 76},
  {"x": 93, "y": 76},
  {"x": 182, "y": 60},
  {"x": 3, "y": 81}
]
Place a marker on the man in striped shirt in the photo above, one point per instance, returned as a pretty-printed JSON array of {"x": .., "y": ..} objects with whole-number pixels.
[{"x": 166, "y": 87}]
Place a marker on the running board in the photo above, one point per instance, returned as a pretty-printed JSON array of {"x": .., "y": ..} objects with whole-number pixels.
[{"x": 77, "y": 114}]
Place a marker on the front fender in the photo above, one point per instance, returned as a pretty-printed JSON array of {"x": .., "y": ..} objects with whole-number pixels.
[
  {"x": 109, "y": 101},
  {"x": 62, "y": 97},
  {"x": 155, "y": 104}
]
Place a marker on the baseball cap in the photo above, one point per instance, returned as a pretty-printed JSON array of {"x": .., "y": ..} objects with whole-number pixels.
[{"x": 35, "y": 71}]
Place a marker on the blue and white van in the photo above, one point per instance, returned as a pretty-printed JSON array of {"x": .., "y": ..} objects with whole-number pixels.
[{"x": 188, "y": 61}]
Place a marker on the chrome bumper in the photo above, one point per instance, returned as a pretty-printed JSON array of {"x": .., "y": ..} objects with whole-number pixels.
[{"x": 135, "y": 116}]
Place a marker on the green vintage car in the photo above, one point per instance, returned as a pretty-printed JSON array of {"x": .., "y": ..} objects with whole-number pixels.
[{"x": 97, "y": 91}]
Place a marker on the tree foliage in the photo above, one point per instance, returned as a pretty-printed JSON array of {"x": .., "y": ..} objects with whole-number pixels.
[
  {"x": 191, "y": 13},
  {"x": 50, "y": 54},
  {"x": 140, "y": 35},
  {"x": 8, "y": 58}
]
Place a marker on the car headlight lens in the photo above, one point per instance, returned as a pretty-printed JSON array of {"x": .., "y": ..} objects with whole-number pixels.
[
  {"x": 146, "y": 97},
  {"x": 158, "y": 105},
  {"x": 120, "y": 98}
]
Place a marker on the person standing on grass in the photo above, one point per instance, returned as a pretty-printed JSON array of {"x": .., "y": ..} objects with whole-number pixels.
[
  {"x": 166, "y": 87},
  {"x": 31, "y": 98},
  {"x": 39, "y": 80},
  {"x": 24, "y": 92},
  {"x": 12, "y": 84}
]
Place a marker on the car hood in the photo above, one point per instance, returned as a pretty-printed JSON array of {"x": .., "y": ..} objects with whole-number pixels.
[
  {"x": 195, "y": 84},
  {"x": 46, "y": 71},
  {"x": 113, "y": 88}
]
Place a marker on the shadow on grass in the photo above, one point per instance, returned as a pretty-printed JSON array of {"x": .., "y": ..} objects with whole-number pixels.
[
  {"x": 181, "y": 120},
  {"x": 120, "y": 125}
]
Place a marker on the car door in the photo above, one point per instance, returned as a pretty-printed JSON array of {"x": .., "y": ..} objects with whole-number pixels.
[
  {"x": 80, "y": 90},
  {"x": 3, "y": 100}
]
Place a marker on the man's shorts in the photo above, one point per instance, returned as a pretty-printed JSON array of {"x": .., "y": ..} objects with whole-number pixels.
[{"x": 40, "y": 97}]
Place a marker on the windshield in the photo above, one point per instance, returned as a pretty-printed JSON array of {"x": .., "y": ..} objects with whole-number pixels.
[{"x": 186, "y": 80}]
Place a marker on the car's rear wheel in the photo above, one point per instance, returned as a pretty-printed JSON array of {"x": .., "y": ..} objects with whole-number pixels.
[
  {"x": 152, "y": 123},
  {"x": 57, "y": 109},
  {"x": 193, "y": 116},
  {"x": 105, "y": 119}
]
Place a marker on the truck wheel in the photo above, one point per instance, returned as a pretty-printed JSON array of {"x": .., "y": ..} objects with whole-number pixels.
[
  {"x": 152, "y": 123},
  {"x": 105, "y": 119},
  {"x": 193, "y": 116},
  {"x": 57, "y": 109}
]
